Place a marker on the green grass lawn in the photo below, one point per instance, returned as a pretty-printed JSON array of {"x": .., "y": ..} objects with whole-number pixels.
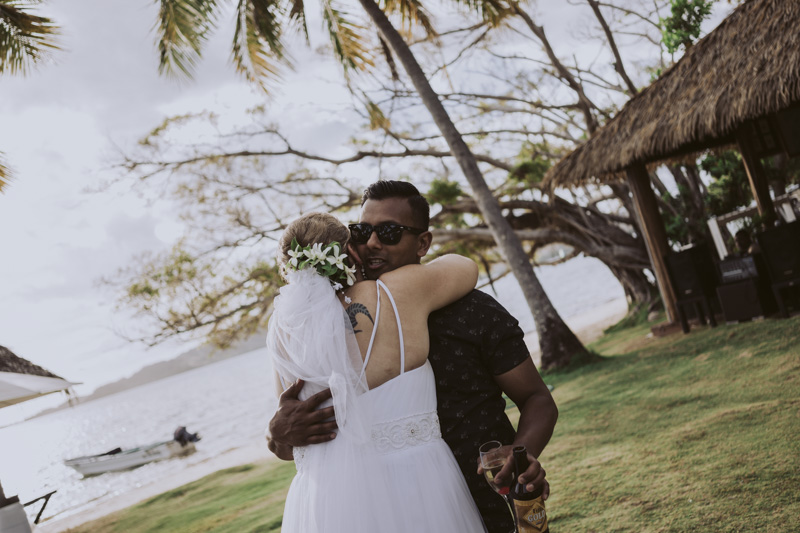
[
  {"x": 685, "y": 433},
  {"x": 242, "y": 499}
]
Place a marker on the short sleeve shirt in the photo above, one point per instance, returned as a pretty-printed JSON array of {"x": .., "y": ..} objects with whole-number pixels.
[{"x": 471, "y": 341}]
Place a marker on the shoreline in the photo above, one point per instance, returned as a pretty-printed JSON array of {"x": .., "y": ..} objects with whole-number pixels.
[
  {"x": 111, "y": 504},
  {"x": 587, "y": 326}
]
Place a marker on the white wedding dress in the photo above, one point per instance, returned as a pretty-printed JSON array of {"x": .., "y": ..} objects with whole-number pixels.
[{"x": 398, "y": 476}]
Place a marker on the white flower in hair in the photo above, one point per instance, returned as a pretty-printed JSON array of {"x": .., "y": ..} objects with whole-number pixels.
[
  {"x": 295, "y": 256},
  {"x": 327, "y": 262},
  {"x": 314, "y": 253},
  {"x": 337, "y": 259},
  {"x": 350, "y": 272}
]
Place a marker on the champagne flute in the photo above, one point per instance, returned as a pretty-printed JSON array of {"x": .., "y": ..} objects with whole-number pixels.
[{"x": 492, "y": 461}]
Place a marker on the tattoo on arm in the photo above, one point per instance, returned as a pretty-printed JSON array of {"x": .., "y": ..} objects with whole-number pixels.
[{"x": 355, "y": 308}]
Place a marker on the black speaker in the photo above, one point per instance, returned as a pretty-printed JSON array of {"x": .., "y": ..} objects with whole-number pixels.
[
  {"x": 789, "y": 125},
  {"x": 693, "y": 272},
  {"x": 744, "y": 300},
  {"x": 780, "y": 247}
]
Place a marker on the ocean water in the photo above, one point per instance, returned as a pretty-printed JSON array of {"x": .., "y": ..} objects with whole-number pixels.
[
  {"x": 229, "y": 403},
  {"x": 575, "y": 287}
]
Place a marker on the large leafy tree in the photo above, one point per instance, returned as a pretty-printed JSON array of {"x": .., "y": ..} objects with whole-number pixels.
[
  {"x": 537, "y": 107},
  {"x": 259, "y": 47},
  {"x": 26, "y": 39}
]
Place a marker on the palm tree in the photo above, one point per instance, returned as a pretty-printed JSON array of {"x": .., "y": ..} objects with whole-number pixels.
[
  {"x": 257, "y": 50},
  {"x": 5, "y": 174},
  {"x": 557, "y": 342},
  {"x": 25, "y": 40}
]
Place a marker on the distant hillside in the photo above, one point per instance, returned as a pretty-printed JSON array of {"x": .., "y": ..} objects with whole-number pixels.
[{"x": 195, "y": 358}]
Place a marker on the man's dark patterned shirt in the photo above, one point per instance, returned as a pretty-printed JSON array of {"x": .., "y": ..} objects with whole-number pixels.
[{"x": 473, "y": 340}]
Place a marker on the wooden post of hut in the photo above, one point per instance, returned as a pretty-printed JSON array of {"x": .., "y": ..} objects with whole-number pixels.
[
  {"x": 759, "y": 183},
  {"x": 654, "y": 233}
]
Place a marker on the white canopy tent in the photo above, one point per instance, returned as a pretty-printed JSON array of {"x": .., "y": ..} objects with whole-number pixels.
[{"x": 16, "y": 388}]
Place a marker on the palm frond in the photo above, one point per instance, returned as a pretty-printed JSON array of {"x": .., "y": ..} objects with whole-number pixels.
[
  {"x": 411, "y": 12},
  {"x": 5, "y": 174},
  {"x": 257, "y": 40},
  {"x": 25, "y": 39},
  {"x": 297, "y": 15},
  {"x": 348, "y": 38},
  {"x": 182, "y": 29},
  {"x": 377, "y": 119},
  {"x": 387, "y": 53},
  {"x": 491, "y": 11}
]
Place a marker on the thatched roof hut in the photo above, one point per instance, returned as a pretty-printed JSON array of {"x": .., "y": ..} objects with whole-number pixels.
[
  {"x": 738, "y": 85},
  {"x": 9, "y": 362},
  {"x": 748, "y": 67}
]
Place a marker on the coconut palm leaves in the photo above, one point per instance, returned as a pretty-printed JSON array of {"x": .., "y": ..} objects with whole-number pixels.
[
  {"x": 411, "y": 11},
  {"x": 259, "y": 44},
  {"x": 347, "y": 37},
  {"x": 491, "y": 11},
  {"x": 25, "y": 39},
  {"x": 183, "y": 28},
  {"x": 257, "y": 39},
  {"x": 5, "y": 174}
]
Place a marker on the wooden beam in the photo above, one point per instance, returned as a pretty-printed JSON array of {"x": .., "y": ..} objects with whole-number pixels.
[
  {"x": 759, "y": 183},
  {"x": 654, "y": 233}
]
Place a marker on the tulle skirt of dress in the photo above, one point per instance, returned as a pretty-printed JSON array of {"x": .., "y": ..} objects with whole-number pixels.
[{"x": 342, "y": 487}]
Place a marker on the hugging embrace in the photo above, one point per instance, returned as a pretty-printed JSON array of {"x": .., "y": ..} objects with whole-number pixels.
[{"x": 392, "y": 376}]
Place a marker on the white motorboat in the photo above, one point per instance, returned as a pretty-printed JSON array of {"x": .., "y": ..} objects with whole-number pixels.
[{"x": 119, "y": 459}]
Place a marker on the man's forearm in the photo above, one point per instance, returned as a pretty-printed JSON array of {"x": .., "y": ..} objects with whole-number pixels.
[{"x": 537, "y": 419}]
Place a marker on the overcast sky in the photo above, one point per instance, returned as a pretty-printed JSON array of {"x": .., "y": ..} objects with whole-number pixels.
[{"x": 58, "y": 127}]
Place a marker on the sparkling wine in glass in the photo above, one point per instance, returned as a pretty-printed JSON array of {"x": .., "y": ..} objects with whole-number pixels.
[
  {"x": 491, "y": 469},
  {"x": 492, "y": 461}
]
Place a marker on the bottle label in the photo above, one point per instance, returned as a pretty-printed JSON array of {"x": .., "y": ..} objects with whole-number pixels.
[{"x": 531, "y": 515}]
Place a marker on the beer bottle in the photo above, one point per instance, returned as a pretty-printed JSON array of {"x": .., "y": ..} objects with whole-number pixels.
[{"x": 529, "y": 512}]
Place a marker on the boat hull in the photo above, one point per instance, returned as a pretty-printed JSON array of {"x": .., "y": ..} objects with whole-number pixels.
[{"x": 126, "y": 459}]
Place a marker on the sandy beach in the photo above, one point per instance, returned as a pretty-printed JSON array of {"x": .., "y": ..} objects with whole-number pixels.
[{"x": 588, "y": 326}]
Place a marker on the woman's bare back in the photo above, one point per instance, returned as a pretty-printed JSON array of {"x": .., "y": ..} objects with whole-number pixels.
[{"x": 417, "y": 291}]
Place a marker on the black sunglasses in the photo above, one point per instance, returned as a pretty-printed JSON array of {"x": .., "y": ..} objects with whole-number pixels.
[{"x": 387, "y": 233}]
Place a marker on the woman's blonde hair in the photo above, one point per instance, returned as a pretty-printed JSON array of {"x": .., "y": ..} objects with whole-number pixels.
[{"x": 310, "y": 229}]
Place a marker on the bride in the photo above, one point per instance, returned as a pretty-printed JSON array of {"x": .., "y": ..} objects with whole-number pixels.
[{"x": 388, "y": 469}]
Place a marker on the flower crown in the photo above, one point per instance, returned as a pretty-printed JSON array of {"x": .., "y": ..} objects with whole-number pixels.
[{"x": 327, "y": 261}]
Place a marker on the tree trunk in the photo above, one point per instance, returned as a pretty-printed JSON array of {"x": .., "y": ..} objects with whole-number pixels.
[
  {"x": 557, "y": 342},
  {"x": 638, "y": 289}
]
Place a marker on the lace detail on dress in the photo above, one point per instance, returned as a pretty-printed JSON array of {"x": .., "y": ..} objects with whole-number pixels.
[
  {"x": 406, "y": 432},
  {"x": 299, "y": 453}
]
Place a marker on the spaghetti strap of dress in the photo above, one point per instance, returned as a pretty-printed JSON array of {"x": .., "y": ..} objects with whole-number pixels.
[
  {"x": 374, "y": 331},
  {"x": 381, "y": 285}
]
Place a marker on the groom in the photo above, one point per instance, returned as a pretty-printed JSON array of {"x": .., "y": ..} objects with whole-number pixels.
[{"x": 476, "y": 351}]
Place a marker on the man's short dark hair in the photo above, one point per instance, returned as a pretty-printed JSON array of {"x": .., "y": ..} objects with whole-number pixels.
[{"x": 383, "y": 189}]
